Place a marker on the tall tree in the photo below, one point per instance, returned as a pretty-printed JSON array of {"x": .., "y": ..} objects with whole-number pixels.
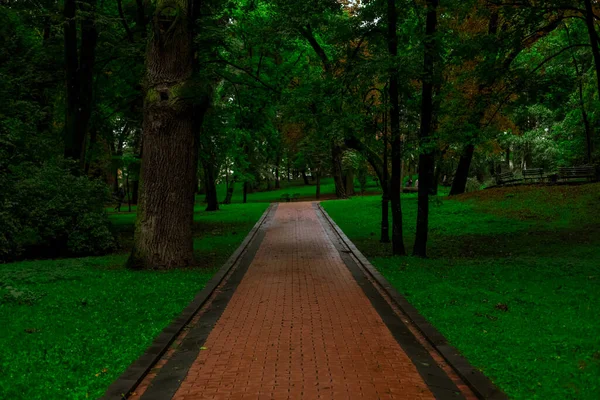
[
  {"x": 395, "y": 184},
  {"x": 79, "y": 76},
  {"x": 426, "y": 160},
  {"x": 163, "y": 235}
]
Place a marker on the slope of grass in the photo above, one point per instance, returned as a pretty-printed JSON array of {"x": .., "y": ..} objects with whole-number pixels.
[
  {"x": 513, "y": 281},
  {"x": 68, "y": 328}
]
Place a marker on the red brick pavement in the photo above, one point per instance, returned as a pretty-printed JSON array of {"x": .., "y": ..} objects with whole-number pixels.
[{"x": 300, "y": 327}]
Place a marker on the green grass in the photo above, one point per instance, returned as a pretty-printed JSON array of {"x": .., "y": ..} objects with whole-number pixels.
[
  {"x": 306, "y": 192},
  {"x": 535, "y": 250},
  {"x": 68, "y": 328}
]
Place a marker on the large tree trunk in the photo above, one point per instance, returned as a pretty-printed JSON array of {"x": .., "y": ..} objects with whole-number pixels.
[
  {"x": 163, "y": 236},
  {"x": 79, "y": 77},
  {"x": 459, "y": 184},
  {"x": 426, "y": 161},
  {"x": 395, "y": 186},
  {"x": 336, "y": 170}
]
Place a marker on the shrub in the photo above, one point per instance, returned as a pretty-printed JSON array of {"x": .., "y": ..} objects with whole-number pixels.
[{"x": 45, "y": 211}]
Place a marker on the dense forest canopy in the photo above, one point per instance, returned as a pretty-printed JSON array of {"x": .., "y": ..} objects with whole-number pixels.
[{"x": 160, "y": 99}]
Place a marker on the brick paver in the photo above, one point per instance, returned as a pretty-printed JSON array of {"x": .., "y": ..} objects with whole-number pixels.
[{"x": 299, "y": 326}]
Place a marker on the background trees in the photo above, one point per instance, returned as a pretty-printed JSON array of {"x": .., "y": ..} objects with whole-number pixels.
[{"x": 270, "y": 91}]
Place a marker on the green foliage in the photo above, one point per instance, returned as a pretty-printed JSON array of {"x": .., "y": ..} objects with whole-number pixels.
[
  {"x": 531, "y": 249},
  {"x": 47, "y": 211}
]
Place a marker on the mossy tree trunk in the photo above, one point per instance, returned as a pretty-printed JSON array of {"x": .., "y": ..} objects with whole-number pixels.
[{"x": 163, "y": 235}]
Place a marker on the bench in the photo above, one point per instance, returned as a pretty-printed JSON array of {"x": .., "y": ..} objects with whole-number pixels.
[
  {"x": 506, "y": 177},
  {"x": 285, "y": 198},
  {"x": 533, "y": 173},
  {"x": 586, "y": 171},
  {"x": 295, "y": 196}
]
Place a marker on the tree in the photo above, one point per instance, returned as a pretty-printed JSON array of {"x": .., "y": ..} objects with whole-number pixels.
[
  {"x": 396, "y": 184},
  {"x": 163, "y": 235},
  {"x": 426, "y": 161},
  {"x": 79, "y": 76}
]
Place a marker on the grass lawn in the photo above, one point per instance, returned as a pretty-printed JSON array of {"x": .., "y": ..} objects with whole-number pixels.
[
  {"x": 306, "y": 192},
  {"x": 69, "y": 327},
  {"x": 513, "y": 281}
]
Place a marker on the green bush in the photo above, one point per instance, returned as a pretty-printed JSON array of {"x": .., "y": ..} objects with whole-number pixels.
[{"x": 46, "y": 211}]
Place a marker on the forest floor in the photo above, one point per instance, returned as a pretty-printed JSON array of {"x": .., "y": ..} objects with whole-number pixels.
[
  {"x": 70, "y": 327},
  {"x": 513, "y": 281}
]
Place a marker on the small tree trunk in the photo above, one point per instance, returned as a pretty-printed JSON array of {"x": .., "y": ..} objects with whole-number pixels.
[
  {"x": 163, "y": 237},
  {"x": 459, "y": 184},
  {"x": 349, "y": 183},
  {"x": 591, "y": 26},
  {"x": 212, "y": 203},
  {"x": 305, "y": 177},
  {"x": 128, "y": 192},
  {"x": 245, "y": 192},
  {"x": 385, "y": 185},
  {"x": 229, "y": 194},
  {"x": 397, "y": 234},
  {"x": 277, "y": 180},
  {"x": 336, "y": 161},
  {"x": 318, "y": 194},
  {"x": 426, "y": 160},
  {"x": 584, "y": 114}
]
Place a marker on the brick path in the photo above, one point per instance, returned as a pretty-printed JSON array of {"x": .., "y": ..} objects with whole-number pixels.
[{"x": 299, "y": 326}]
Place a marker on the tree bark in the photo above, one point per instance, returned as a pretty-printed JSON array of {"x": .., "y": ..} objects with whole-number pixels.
[
  {"x": 141, "y": 21},
  {"x": 395, "y": 186},
  {"x": 591, "y": 27},
  {"x": 163, "y": 236},
  {"x": 349, "y": 183},
  {"x": 584, "y": 115},
  {"x": 336, "y": 171},
  {"x": 459, "y": 184},
  {"x": 318, "y": 189},
  {"x": 79, "y": 78},
  {"x": 426, "y": 159},
  {"x": 277, "y": 178},
  {"x": 229, "y": 194},
  {"x": 385, "y": 185},
  {"x": 212, "y": 203},
  {"x": 304, "y": 177}
]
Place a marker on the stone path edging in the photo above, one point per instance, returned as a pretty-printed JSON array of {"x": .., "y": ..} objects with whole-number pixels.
[
  {"x": 135, "y": 373},
  {"x": 475, "y": 379}
]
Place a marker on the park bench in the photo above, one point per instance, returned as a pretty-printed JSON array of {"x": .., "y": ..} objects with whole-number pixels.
[
  {"x": 533, "y": 173},
  {"x": 285, "y": 198},
  {"x": 506, "y": 177},
  {"x": 295, "y": 196},
  {"x": 586, "y": 171}
]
